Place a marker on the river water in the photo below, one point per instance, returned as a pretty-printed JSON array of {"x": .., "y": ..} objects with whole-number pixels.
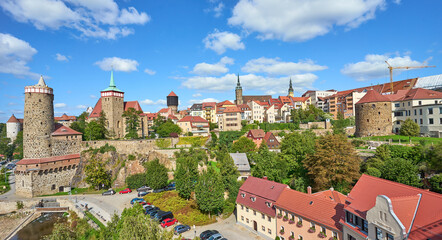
[{"x": 40, "y": 227}]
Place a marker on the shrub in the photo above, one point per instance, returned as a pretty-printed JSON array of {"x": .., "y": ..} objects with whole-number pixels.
[
  {"x": 299, "y": 224},
  {"x": 322, "y": 235},
  {"x": 281, "y": 231},
  {"x": 291, "y": 221},
  {"x": 131, "y": 157},
  {"x": 373, "y": 172},
  {"x": 357, "y": 142},
  {"x": 136, "y": 180},
  {"x": 311, "y": 230},
  {"x": 20, "y": 205},
  {"x": 285, "y": 218},
  {"x": 162, "y": 143},
  {"x": 279, "y": 215}
]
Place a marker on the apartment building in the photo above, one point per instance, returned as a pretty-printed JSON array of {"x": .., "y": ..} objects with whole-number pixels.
[
  {"x": 230, "y": 119},
  {"x": 197, "y": 110},
  {"x": 343, "y": 102},
  {"x": 209, "y": 111},
  {"x": 246, "y": 112},
  {"x": 255, "y": 206},
  {"x": 197, "y": 125},
  {"x": 315, "y": 95},
  {"x": 257, "y": 111}
]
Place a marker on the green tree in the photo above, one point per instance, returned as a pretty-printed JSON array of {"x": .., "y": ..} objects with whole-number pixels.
[
  {"x": 309, "y": 114},
  {"x": 401, "y": 171},
  {"x": 294, "y": 149},
  {"x": 61, "y": 231},
  {"x": 96, "y": 174},
  {"x": 136, "y": 180},
  {"x": 434, "y": 156},
  {"x": 186, "y": 173},
  {"x": 209, "y": 192},
  {"x": 334, "y": 163},
  {"x": 2, "y": 130},
  {"x": 18, "y": 145},
  {"x": 156, "y": 174},
  {"x": 436, "y": 183},
  {"x": 168, "y": 127},
  {"x": 243, "y": 145},
  {"x": 340, "y": 124},
  {"x": 132, "y": 118},
  {"x": 226, "y": 138},
  {"x": 94, "y": 131},
  {"x": 228, "y": 170},
  {"x": 80, "y": 124},
  {"x": 410, "y": 128},
  {"x": 268, "y": 164}
]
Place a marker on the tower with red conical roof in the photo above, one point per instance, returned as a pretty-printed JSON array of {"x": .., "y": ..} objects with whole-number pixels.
[
  {"x": 373, "y": 115},
  {"x": 172, "y": 102},
  {"x": 13, "y": 126}
]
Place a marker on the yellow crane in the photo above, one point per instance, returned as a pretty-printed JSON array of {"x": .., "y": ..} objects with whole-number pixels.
[{"x": 405, "y": 67}]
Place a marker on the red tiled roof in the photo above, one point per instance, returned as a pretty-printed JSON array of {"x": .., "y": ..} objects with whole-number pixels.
[
  {"x": 257, "y": 133},
  {"x": 193, "y": 119},
  {"x": 373, "y": 96},
  {"x": 299, "y": 99},
  {"x": 132, "y": 104},
  {"x": 243, "y": 107},
  {"x": 61, "y": 130},
  {"x": 331, "y": 195},
  {"x": 209, "y": 104},
  {"x": 150, "y": 116},
  {"x": 284, "y": 99},
  {"x": 231, "y": 109},
  {"x": 315, "y": 208},
  {"x": 428, "y": 219},
  {"x": 421, "y": 93},
  {"x": 172, "y": 94},
  {"x": 404, "y": 208},
  {"x": 267, "y": 137},
  {"x": 164, "y": 110},
  {"x": 65, "y": 117},
  {"x": 263, "y": 190},
  {"x": 13, "y": 119},
  {"x": 49, "y": 159},
  {"x": 97, "y": 110},
  {"x": 226, "y": 102},
  {"x": 172, "y": 117}
]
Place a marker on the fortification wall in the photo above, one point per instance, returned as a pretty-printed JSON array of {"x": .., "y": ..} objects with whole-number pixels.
[
  {"x": 65, "y": 146},
  {"x": 373, "y": 119},
  {"x": 143, "y": 146}
]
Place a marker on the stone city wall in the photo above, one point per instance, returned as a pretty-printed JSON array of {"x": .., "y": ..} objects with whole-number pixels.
[
  {"x": 141, "y": 146},
  {"x": 65, "y": 145},
  {"x": 320, "y": 125}
]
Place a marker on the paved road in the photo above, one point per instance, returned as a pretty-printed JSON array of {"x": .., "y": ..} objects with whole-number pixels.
[{"x": 10, "y": 195}]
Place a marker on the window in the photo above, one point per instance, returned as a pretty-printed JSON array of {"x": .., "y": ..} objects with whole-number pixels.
[
  {"x": 312, "y": 224},
  {"x": 300, "y": 237},
  {"x": 440, "y": 110},
  {"x": 335, "y": 234},
  {"x": 263, "y": 228},
  {"x": 292, "y": 234},
  {"x": 242, "y": 218},
  {"x": 397, "y": 104},
  {"x": 378, "y": 234},
  {"x": 254, "y": 212},
  {"x": 390, "y": 237},
  {"x": 415, "y": 112},
  {"x": 243, "y": 195},
  {"x": 247, "y": 209},
  {"x": 263, "y": 216},
  {"x": 324, "y": 230},
  {"x": 364, "y": 225},
  {"x": 430, "y": 110},
  {"x": 242, "y": 207},
  {"x": 398, "y": 122},
  {"x": 440, "y": 120},
  {"x": 247, "y": 220},
  {"x": 409, "y": 103},
  {"x": 350, "y": 237},
  {"x": 420, "y": 102},
  {"x": 253, "y": 199},
  {"x": 270, "y": 231},
  {"x": 430, "y": 121},
  {"x": 300, "y": 219},
  {"x": 420, "y": 111},
  {"x": 421, "y": 122},
  {"x": 269, "y": 219},
  {"x": 415, "y": 120},
  {"x": 350, "y": 218}
]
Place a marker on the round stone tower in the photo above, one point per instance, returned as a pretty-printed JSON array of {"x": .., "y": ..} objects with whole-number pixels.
[
  {"x": 373, "y": 115},
  {"x": 38, "y": 122},
  {"x": 13, "y": 126},
  {"x": 172, "y": 102}
]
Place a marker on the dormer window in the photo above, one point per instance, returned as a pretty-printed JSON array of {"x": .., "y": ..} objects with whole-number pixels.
[
  {"x": 269, "y": 204},
  {"x": 253, "y": 199},
  {"x": 243, "y": 195}
]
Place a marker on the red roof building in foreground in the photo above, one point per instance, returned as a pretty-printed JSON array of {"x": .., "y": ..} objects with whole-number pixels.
[
  {"x": 380, "y": 209},
  {"x": 255, "y": 205}
]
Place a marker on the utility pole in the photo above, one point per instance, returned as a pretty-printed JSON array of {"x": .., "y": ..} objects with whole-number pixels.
[{"x": 404, "y": 67}]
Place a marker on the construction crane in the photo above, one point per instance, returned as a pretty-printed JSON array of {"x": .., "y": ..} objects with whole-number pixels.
[{"x": 391, "y": 73}]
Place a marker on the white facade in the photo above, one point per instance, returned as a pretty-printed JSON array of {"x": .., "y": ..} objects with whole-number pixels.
[
  {"x": 12, "y": 129},
  {"x": 315, "y": 94},
  {"x": 257, "y": 111}
]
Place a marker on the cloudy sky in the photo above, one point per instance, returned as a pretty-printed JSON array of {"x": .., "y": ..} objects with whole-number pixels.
[{"x": 197, "y": 47}]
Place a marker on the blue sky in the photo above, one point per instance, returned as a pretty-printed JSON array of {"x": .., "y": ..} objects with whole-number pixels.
[{"x": 196, "y": 47}]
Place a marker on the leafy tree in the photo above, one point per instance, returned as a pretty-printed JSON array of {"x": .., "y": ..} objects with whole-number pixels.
[
  {"x": 80, "y": 124},
  {"x": 340, "y": 124},
  {"x": 309, "y": 114},
  {"x": 156, "y": 174},
  {"x": 209, "y": 192},
  {"x": 212, "y": 126},
  {"x": 243, "y": 145},
  {"x": 410, "y": 128},
  {"x": 228, "y": 170},
  {"x": 94, "y": 131},
  {"x": 132, "y": 117},
  {"x": 401, "y": 171},
  {"x": 18, "y": 145},
  {"x": 294, "y": 149},
  {"x": 6, "y": 148},
  {"x": 436, "y": 183},
  {"x": 136, "y": 180},
  {"x": 166, "y": 128},
  {"x": 435, "y": 157},
  {"x": 268, "y": 164},
  {"x": 163, "y": 143},
  {"x": 96, "y": 174},
  {"x": 186, "y": 173},
  {"x": 61, "y": 231},
  {"x": 298, "y": 183},
  {"x": 374, "y": 172},
  {"x": 226, "y": 138},
  {"x": 103, "y": 123},
  {"x": 2, "y": 130},
  {"x": 334, "y": 163}
]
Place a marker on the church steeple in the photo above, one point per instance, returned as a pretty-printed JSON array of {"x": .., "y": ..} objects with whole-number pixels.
[
  {"x": 238, "y": 84},
  {"x": 238, "y": 93},
  {"x": 291, "y": 92},
  {"x": 112, "y": 86}
]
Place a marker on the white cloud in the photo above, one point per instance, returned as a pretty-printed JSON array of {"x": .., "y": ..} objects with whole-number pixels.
[
  {"x": 118, "y": 64},
  {"x": 300, "y": 20},
  {"x": 101, "y": 19},
  {"x": 197, "y": 95},
  {"x": 93, "y": 96},
  {"x": 374, "y": 66},
  {"x": 221, "y": 41},
  {"x": 213, "y": 69},
  {"x": 279, "y": 85},
  {"x": 192, "y": 101},
  {"x": 218, "y": 10},
  {"x": 81, "y": 106},
  {"x": 149, "y": 71},
  {"x": 15, "y": 55},
  {"x": 60, "y": 105},
  {"x": 274, "y": 66},
  {"x": 61, "y": 58},
  {"x": 151, "y": 102}
]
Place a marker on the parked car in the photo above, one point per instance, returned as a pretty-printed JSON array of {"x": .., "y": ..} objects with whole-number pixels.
[
  {"x": 144, "y": 189},
  {"x": 169, "y": 188},
  {"x": 150, "y": 210},
  {"x": 208, "y": 233},
  {"x": 163, "y": 215},
  {"x": 143, "y": 203},
  {"x": 108, "y": 192},
  {"x": 168, "y": 222},
  {"x": 159, "y": 190},
  {"x": 153, "y": 213},
  {"x": 216, "y": 236},
  {"x": 127, "y": 190},
  {"x": 142, "y": 194},
  {"x": 134, "y": 200},
  {"x": 148, "y": 207},
  {"x": 180, "y": 229}
]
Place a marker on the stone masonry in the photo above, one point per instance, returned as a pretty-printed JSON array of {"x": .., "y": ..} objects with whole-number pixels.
[{"x": 373, "y": 119}]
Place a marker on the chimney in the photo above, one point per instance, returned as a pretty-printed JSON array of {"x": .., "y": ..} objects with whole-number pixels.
[
  {"x": 332, "y": 189},
  {"x": 309, "y": 190},
  {"x": 265, "y": 177}
]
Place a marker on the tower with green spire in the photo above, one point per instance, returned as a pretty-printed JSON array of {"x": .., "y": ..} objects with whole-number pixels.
[
  {"x": 291, "y": 92},
  {"x": 112, "y": 105},
  {"x": 238, "y": 93}
]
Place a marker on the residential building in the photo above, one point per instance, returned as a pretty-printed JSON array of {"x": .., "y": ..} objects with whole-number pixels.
[
  {"x": 165, "y": 112},
  {"x": 246, "y": 112},
  {"x": 307, "y": 216},
  {"x": 316, "y": 96},
  {"x": 256, "y": 135},
  {"x": 269, "y": 114},
  {"x": 343, "y": 102},
  {"x": 380, "y": 209},
  {"x": 229, "y": 119},
  {"x": 271, "y": 141},
  {"x": 242, "y": 164},
  {"x": 197, "y": 110},
  {"x": 257, "y": 111},
  {"x": 255, "y": 205},
  {"x": 65, "y": 120},
  {"x": 197, "y": 125},
  {"x": 209, "y": 111}
]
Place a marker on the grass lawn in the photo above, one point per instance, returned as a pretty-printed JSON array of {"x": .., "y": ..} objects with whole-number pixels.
[
  {"x": 82, "y": 191},
  {"x": 404, "y": 139},
  {"x": 213, "y": 164},
  {"x": 93, "y": 218},
  {"x": 185, "y": 211},
  {"x": 4, "y": 183},
  {"x": 190, "y": 140}
]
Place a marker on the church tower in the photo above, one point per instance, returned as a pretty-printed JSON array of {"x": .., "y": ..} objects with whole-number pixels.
[
  {"x": 112, "y": 104},
  {"x": 38, "y": 122},
  {"x": 291, "y": 92},
  {"x": 238, "y": 93}
]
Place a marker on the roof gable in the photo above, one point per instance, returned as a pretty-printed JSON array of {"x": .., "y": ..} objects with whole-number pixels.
[
  {"x": 256, "y": 133},
  {"x": 373, "y": 96},
  {"x": 13, "y": 119}
]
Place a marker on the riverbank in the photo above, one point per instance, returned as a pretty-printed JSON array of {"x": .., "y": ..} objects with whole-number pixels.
[{"x": 12, "y": 222}]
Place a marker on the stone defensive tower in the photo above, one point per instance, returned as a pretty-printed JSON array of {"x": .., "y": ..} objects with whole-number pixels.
[
  {"x": 238, "y": 93},
  {"x": 13, "y": 126},
  {"x": 112, "y": 104},
  {"x": 38, "y": 123},
  {"x": 291, "y": 92},
  {"x": 172, "y": 102},
  {"x": 373, "y": 115}
]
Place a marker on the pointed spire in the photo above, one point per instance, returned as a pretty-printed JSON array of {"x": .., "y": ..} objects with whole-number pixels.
[
  {"x": 238, "y": 84},
  {"x": 290, "y": 83},
  {"x": 112, "y": 82},
  {"x": 41, "y": 82}
]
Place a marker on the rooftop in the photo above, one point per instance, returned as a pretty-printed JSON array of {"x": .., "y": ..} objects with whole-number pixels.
[
  {"x": 49, "y": 159},
  {"x": 241, "y": 161}
]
